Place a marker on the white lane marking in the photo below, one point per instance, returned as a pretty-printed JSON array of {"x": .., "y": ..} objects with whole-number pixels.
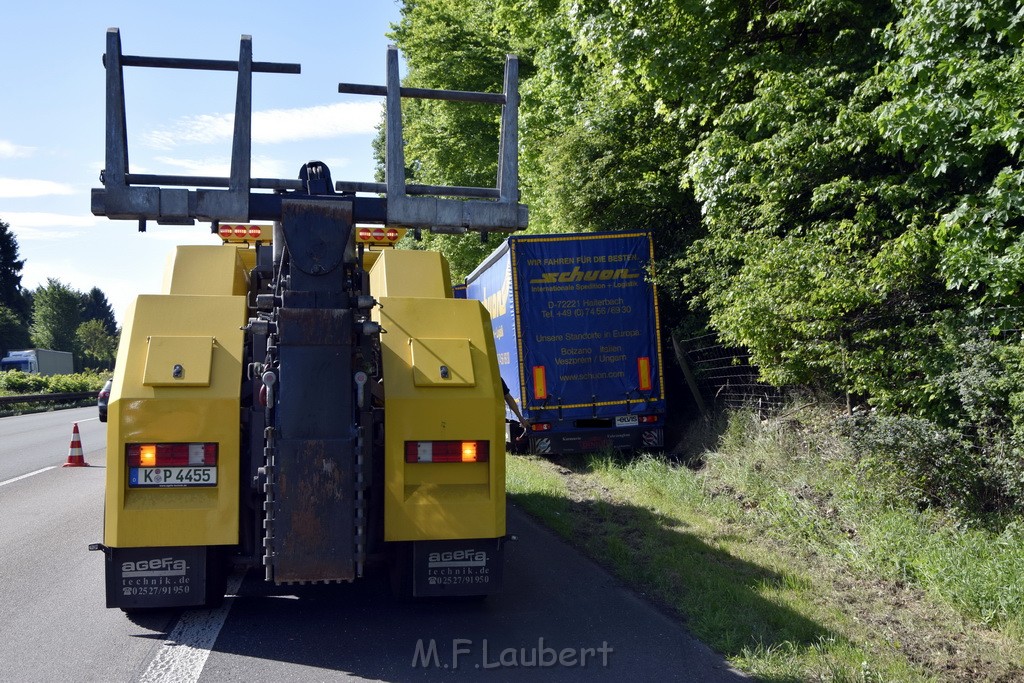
[
  {"x": 183, "y": 655},
  {"x": 25, "y": 476}
]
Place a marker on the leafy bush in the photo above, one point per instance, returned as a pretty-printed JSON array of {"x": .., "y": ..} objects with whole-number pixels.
[
  {"x": 915, "y": 460},
  {"x": 89, "y": 380},
  {"x": 18, "y": 382}
]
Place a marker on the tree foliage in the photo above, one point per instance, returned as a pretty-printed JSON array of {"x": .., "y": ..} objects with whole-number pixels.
[
  {"x": 96, "y": 347},
  {"x": 11, "y": 294},
  {"x": 56, "y": 315},
  {"x": 95, "y": 306},
  {"x": 14, "y": 302},
  {"x": 13, "y": 332}
]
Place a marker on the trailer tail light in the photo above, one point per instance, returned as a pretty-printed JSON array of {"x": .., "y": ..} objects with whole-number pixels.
[
  {"x": 643, "y": 370},
  {"x": 540, "y": 426},
  {"x": 648, "y": 419},
  {"x": 447, "y": 451},
  {"x": 171, "y": 454}
]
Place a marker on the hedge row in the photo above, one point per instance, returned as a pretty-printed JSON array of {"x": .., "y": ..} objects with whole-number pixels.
[{"x": 16, "y": 382}]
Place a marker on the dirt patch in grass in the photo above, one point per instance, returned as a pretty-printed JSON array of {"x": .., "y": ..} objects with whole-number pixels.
[{"x": 901, "y": 619}]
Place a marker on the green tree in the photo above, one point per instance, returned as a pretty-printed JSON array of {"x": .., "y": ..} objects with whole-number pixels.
[
  {"x": 96, "y": 307},
  {"x": 955, "y": 107},
  {"x": 95, "y": 346},
  {"x": 13, "y": 332},
  {"x": 11, "y": 292},
  {"x": 862, "y": 211},
  {"x": 56, "y": 315}
]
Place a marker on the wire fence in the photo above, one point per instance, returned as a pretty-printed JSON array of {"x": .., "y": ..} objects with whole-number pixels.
[{"x": 723, "y": 377}]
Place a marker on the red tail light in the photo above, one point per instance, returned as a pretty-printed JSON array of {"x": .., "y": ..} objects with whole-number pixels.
[
  {"x": 648, "y": 419},
  {"x": 447, "y": 451},
  {"x": 170, "y": 454}
]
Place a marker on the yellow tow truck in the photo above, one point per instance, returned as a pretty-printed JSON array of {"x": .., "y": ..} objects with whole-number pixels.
[{"x": 303, "y": 397}]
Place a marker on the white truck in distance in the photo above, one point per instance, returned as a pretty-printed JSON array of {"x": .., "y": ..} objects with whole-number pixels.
[{"x": 39, "y": 361}]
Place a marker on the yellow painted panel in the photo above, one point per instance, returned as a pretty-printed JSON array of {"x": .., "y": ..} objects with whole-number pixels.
[
  {"x": 206, "y": 269},
  {"x": 141, "y": 517},
  {"x": 247, "y": 258},
  {"x": 153, "y": 413},
  {"x": 407, "y": 272},
  {"x": 444, "y": 473},
  {"x": 178, "y": 362},
  {"x": 369, "y": 258},
  {"x": 442, "y": 363},
  {"x": 440, "y": 500}
]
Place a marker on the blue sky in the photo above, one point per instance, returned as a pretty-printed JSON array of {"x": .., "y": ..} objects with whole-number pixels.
[{"x": 179, "y": 122}]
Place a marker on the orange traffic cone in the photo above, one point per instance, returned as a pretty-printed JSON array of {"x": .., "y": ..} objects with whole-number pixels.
[{"x": 75, "y": 456}]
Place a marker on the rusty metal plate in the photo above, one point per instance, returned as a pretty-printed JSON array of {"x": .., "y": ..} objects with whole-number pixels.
[{"x": 314, "y": 510}]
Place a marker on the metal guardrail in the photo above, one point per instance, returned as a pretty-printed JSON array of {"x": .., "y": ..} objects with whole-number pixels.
[{"x": 47, "y": 398}]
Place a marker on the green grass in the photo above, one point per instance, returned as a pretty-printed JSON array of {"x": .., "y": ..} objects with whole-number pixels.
[{"x": 782, "y": 556}]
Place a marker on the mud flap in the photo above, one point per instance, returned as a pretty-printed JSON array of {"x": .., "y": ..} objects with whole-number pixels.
[
  {"x": 460, "y": 567},
  {"x": 314, "y": 514},
  {"x": 156, "y": 577}
]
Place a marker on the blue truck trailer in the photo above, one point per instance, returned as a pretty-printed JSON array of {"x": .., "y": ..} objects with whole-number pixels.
[{"x": 575, "y": 321}]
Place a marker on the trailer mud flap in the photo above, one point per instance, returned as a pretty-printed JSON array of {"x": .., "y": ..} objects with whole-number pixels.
[
  {"x": 155, "y": 577},
  {"x": 460, "y": 567}
]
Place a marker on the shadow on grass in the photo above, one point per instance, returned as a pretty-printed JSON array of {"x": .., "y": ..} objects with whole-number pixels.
[{"x": 725, "y": 601}]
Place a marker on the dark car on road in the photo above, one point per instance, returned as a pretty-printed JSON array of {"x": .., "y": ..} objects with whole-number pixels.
[{"x": 102, "y": 398}]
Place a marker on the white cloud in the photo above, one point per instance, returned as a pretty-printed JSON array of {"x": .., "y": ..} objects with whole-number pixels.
[
  {"x": 9, "y": 150},
  {"x": 262, "y": 167},
  {"x": 45, "y": 234},
  {"x": 275, "y": 125},
  {"x": 48, "y": 226},
  {"x": 28, "y": 187}
]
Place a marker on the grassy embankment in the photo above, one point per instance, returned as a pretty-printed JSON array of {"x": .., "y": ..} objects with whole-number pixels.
[{"x": 785, "y": 553}]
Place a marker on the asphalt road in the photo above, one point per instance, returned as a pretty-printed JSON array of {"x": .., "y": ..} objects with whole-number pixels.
[{"x": 559, "y": 616}]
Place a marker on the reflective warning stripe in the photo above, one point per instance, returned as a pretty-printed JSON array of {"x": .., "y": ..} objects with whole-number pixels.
[
  {"x": 540, "y": 383},
  {"x": 643, "y": 369}
]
